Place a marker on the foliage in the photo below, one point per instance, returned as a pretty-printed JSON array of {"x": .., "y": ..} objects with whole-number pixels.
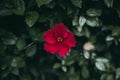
[{"x": 96, "y": 26}]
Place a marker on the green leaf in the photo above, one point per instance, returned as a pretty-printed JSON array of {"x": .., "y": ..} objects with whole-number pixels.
[
  {"x": 36, "y": 34},
  {"x": 94, "y": 12},
  {"x": 118, "y": 12},
  {"x": 10, "y": 7},
  {"x": 15, "y": 71},
  {"x": 93, "y": 55},
  {"x": 31, "y": 51},
  {"x": 85, "y": 72},
  {"x": 69, "y": 60},
  {"x": 56, "y": 65},
  {"x": 9, "y": 39},
  {"x": 118, "y": 73},
  {"x": 109, "y": 3},
  {"x": 75, "y": 21},
  {"x": 4, "y": 74},
  {"x": 20, "y": 44},
  {"x": 64, "y": 68},
  {"x": 102, "y": 64},
  {"x": 34, "y": 71},
  {"x": 82, "y": 21},
  {"x": 25, "y": 77},
  {"x": 20, "y": 7},
  {"x": 72, "y": 75},
  {"x": 86, "y": 54},
  {"x": 93, "y": 22},
  {"x": 53, "y": 21},
  {"x": 70, "y": 10},
  {"x": 110, "y": 77},
  {"x": 62, "y": 4},
  {"x": 62, "y": 77},
  {"x": 6, "y": 12},
  {"x": 2, "y": 48},
  {"x": 86, "y": 32},
  {"x": 42, "y": 2},
  {"x": 115, "y": 31},
  {"x": 18, "y": 62},
  {"x": 31, "y": 18},
  {"x": 43, "y": 18},
  {"x": 77, "y": 33},
  {"x": 77, "y": 3},
  {"x": 109, "y": 38},
  {"x": 103, "y": 77},
  {"x": 2, "y": 32}
]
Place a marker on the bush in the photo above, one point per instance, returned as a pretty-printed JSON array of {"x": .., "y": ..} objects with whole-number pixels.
[{"x": 96, "y": 27}]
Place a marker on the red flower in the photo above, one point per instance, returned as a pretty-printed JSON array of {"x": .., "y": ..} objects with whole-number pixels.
[{"x": 59, "y": 40}]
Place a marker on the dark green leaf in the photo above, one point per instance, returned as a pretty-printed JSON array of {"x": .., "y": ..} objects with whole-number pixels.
[
  {"x": 70, "y": 9},
  {"x": 42, "y": 2},
  {"x": 69, "y": 60},
  {"x": 116, "y": 31},
  {"x": 86, "y": 32},
  {"x": 103, "y": 77},
  {"x": 85, "y": 72},
  {"x": 6, "y": 12},
  {"x": 31, "y": 18},
  {"x": 25, "y": 77},
  {"x": 31, "y": 51},
  {"x": 4, "y": 74},
  {"x": 18, "y": 62},
  {"x": 53, "y": 21},
  {"x": 19, "y": 7},
  {"x": 20, "y": 44},
  {"x": 94, "y": 12},
  {"x": 93, "y": 22},
  {"x": 43, "y": 18},
  {"x": 75, "y": 21},
  {"x": 62, "y": 77},
  {"x": 36, "y": 34},
  {"x": 16, "y": 7},
  {"x": 73, "y": 75},
  {"x": 109, "y": 3},
  {"x": 9, "y": 39},
  {"x": 77, "y": 33},
  {"x": 110, "y": 77},
  {"x": 15, "y": 71},
  {"x": 118, "y": 73},
  {"x": 56, "y": 65},
  {"x": 2, "y": 48},
  {"x": 77, "y": 3}
]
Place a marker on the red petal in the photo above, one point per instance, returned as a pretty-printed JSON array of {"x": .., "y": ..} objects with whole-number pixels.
[
  {"x": 50, "y": 48},
  {"x": 63, "y": 50},
  {"x": 70, "y": 40},
  {"x": 49, "y": 37},
  {"x": 60, "y": 30}
]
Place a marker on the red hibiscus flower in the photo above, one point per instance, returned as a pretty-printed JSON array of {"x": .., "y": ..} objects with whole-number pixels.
[{"x": 59, "y": 40}]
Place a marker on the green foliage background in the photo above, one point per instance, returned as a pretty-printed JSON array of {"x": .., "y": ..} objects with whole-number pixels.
[{"x": 23, "y": 22}]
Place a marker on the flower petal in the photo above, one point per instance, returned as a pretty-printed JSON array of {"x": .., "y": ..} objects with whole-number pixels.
[
  {"x": 60, "y": 30},
  {"x": 50, "y": 48},
  {"x": 49, "y": 37},
  {"x": 63, "y": 50},
  {"x": 70, "y": 40}
]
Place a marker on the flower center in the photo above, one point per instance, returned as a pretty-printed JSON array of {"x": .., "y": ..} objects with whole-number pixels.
[{"x": 59, "y": 39}]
